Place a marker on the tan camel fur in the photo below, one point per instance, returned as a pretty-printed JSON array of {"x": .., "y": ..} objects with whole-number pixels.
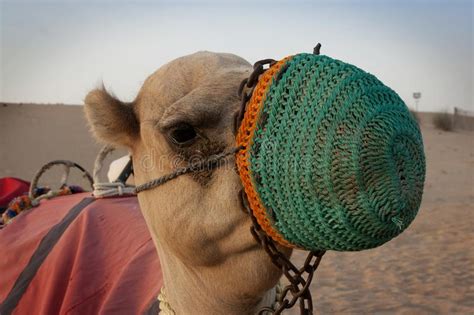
[{"x": 184, "y": 111}]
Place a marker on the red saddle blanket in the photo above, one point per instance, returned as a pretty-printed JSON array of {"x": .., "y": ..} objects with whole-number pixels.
[{"x": 77, "y": 255}]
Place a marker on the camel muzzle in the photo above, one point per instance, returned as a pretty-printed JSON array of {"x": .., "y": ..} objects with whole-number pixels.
[{"x": 332, "y": 158}]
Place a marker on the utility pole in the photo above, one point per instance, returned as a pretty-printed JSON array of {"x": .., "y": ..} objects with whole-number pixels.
[{"x": 416, "y": 96}]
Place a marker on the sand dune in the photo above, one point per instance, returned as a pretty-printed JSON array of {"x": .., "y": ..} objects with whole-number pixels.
[{"x": 429, "y": 269}]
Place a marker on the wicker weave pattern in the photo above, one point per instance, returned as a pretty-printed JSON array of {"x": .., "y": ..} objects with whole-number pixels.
[
  {"x": 245, "y": 138},
  {"x": 334, "y": 157}
]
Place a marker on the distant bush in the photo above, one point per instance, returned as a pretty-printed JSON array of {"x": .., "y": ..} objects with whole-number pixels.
[{"x": 443, "y": 121}]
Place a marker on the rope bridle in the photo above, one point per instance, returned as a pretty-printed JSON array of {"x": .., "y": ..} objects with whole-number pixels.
[
  {"x": 207, "y": 164},
  {"x": 299, "y": 278}
]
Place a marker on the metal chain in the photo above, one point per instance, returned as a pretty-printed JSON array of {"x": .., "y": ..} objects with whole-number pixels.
[
  {"x": 250, "y": 83},
  {"x": 299, "y": 278}
]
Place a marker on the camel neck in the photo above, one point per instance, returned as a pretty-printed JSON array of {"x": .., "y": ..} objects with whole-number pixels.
[
  {"x": 268, "y": 300},
  {"x": 220, "y": 289}
]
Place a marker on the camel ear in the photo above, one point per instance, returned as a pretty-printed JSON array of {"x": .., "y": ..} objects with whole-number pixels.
[{"x": 111, "y": 120}]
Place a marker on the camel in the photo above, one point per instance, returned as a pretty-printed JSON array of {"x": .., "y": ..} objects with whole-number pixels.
[{"x": 211, "y": 263}]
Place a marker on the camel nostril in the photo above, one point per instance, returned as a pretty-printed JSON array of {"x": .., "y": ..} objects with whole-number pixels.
[
  {"x": 236, "y": 123},
  {"x": 241, "y": 201}
]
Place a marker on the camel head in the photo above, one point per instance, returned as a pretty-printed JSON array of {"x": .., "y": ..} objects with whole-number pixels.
[{"x": 184, "y": 112}]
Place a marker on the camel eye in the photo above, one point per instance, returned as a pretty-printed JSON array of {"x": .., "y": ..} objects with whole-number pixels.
[{"x": 183, "y": 134}]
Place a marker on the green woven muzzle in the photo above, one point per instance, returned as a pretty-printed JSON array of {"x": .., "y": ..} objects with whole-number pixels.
[{"x": 335, "y": 158}]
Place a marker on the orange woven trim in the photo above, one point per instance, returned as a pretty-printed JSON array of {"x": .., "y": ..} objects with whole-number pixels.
[{"x": 245, "y": 139}]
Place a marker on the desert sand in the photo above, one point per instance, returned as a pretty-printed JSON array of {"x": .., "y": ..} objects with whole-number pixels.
[{"x": 429, "y": 269}]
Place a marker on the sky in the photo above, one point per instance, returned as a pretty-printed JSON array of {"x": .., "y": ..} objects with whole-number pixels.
[{"x": 56, "y": 51}]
